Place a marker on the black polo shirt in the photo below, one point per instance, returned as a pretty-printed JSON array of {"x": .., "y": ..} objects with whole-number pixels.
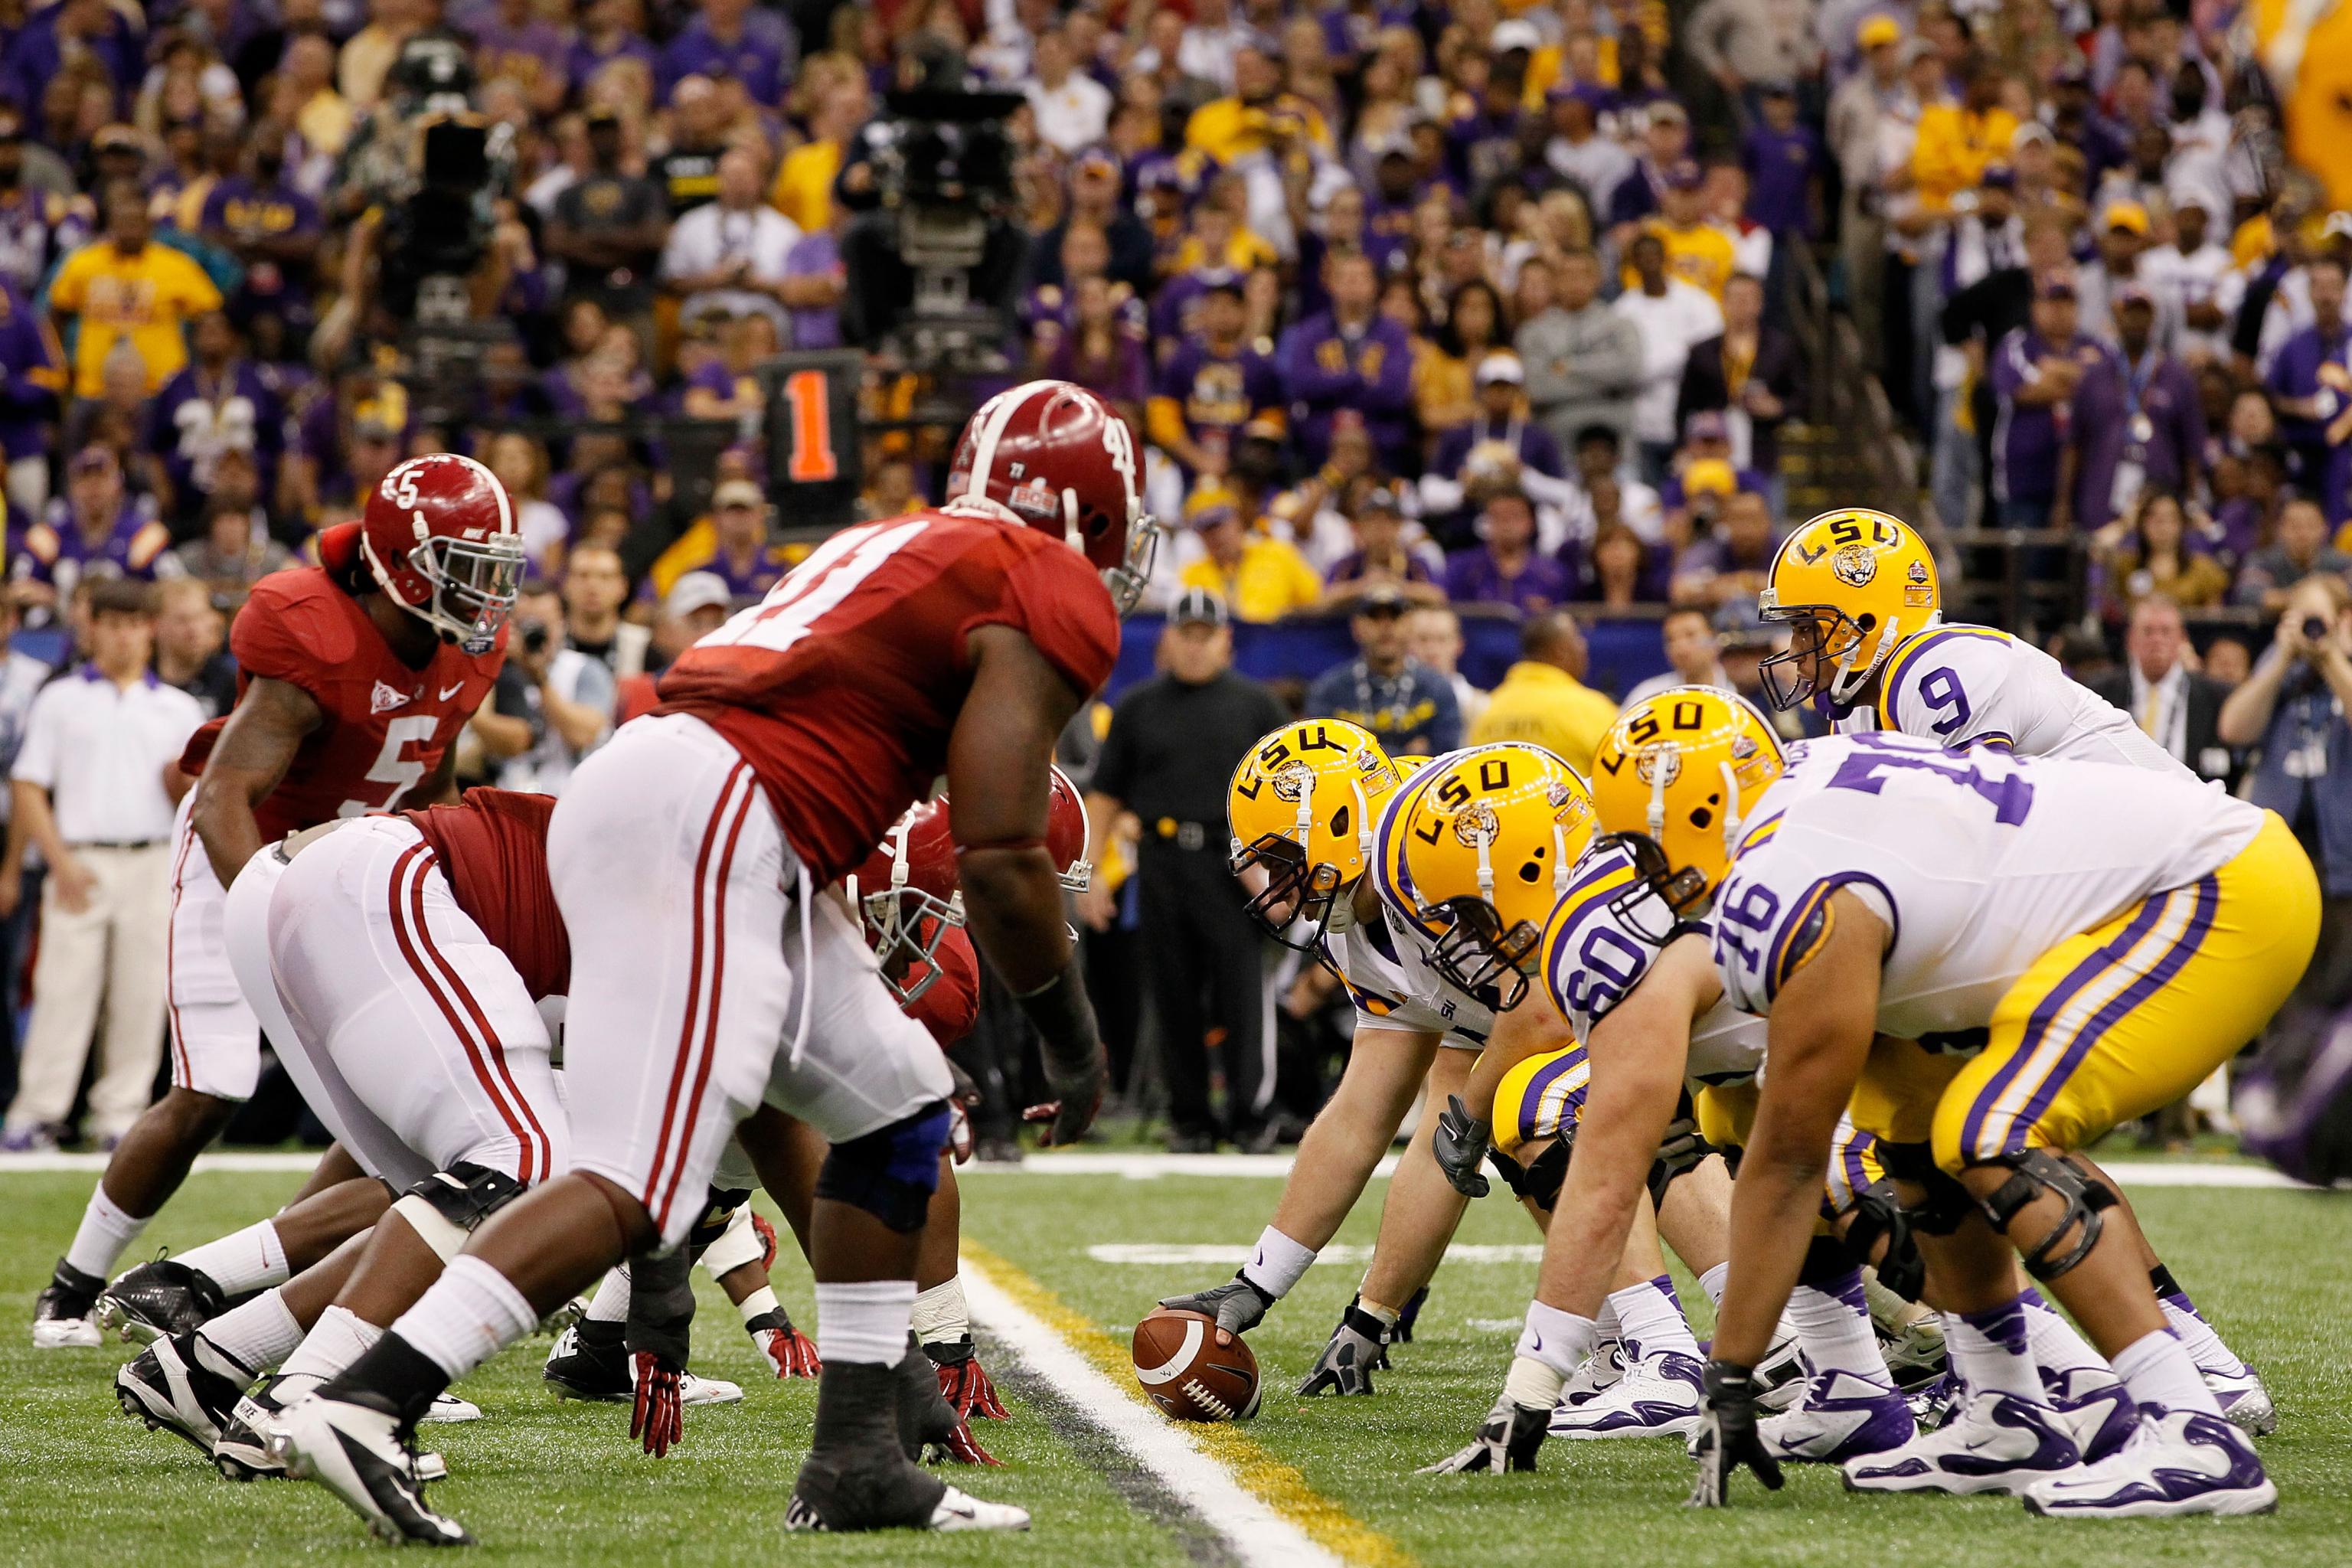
[{"x": 1172, "y": 748}]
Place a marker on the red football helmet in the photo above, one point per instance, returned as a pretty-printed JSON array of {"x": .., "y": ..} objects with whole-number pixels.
[
  {"x": 1062, "y": 461},
  {"x": 1065, "y": 833},
  {"x": 440, "y": 538},
  {"x": 906, "y": 895}
]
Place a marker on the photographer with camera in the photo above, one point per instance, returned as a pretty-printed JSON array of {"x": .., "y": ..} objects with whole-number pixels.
[
  {"x": 2293, "y": 706},
  {"x": 553, "y": 704}
]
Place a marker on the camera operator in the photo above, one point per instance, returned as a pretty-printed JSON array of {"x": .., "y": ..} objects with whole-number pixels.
[
  {"x": 2293, "y": 706},
  {"x": 553, "y": 704}
]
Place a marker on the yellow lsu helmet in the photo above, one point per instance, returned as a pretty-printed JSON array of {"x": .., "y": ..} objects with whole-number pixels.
[
  {"x": 1850, "y": 584},
  {"x": 1475, "y": 852},
  {"x": 1302, "y": 809},
  {"x": 1673, "y": 779}
]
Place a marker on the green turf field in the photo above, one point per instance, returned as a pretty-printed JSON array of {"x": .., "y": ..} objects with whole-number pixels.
[{"x": 545, "y": 1482}]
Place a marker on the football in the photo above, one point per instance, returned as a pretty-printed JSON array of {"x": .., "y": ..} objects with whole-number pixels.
[{"x": 1188, "y": 1374}]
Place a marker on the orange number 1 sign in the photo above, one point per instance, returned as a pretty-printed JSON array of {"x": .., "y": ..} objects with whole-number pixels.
[{"x": 809, "y": 394}]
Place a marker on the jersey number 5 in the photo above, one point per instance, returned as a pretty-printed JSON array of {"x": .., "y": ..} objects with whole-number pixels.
[{"x": 394, "y": 765}]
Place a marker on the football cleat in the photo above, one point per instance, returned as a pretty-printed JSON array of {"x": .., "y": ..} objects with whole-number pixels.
[
  {"x": 2094, "y": 1408},
  {"x": 2177, "y": 1461},
  {"x": 359, "y": 1449},
  {"x": 157, "y": 1300},
  {"x": 1781, "y": 1376},
  {"x": 1601, "y": 1369},
  {"x": 1915, "y": 1356},
  {"x": 1507, "y": 1440},
  {"x": 1934, "y": 1402},
  {"x": 1356, "y": 1346},
  {"x": 2245, "y": 1401},
  {"x": 1996, "y": 1442},
  {"x": 563, "y": 1317},
  {"x": 583, "y": 1367},
  {"x": 241, "y": 1453},
  {"x": 954, "y": 1510},
  {"x": 447, "y": 1410},
  {"x": 1839, "y": 1416},
  {"x": 1657, "y": 1398},
  {"x": 184, "y": 1386},
  {"x": 63, "y": 1318}
]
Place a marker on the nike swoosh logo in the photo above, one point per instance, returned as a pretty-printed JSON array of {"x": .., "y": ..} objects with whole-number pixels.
[
  {"x": 1539, "y": 1344},
  {"x": 449, "y": 691}
]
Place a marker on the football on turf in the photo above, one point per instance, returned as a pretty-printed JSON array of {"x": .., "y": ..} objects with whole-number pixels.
[{"x": 1191, "y": 1377}]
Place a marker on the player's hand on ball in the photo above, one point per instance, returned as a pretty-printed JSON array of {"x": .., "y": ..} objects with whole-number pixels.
[
  {"x": 1356, "y": 1347},
  {"x": 659, "y": 1418},
  {"x": 1237, "y": 1306},
  {"x": 1727, "y": 1437},
  {"x": 1460, "y": 1143},
  {"x": 1507, "y": 1440}
]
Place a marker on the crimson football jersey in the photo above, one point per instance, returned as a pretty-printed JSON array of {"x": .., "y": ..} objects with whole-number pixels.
[
  {"x": 842, "y": 686},
  {"x": 387, "y": 724},
  {"x": 493, "y": 849},
  {"x": 949, "y": 1005}
]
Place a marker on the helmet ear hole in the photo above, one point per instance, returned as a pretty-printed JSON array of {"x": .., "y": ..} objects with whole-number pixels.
[
  {"x": 1865, "y": 621},
  {"x": 1532, "y": 871},
  {"x": 1339, "y": 823},
  {"x": 1701, "y": 817}
]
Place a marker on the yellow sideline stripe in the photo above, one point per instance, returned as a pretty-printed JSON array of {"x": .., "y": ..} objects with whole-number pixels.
[{"x": 1276, "y": 1483}]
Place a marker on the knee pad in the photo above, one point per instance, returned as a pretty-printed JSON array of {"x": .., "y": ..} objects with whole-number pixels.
[
  {"x": 719, "y": 1211},
  {"x": 1683, "y": 1151},
  {"x": 445, "y": 1207},
  {"x": 1540, "y": 1179},
  {"x": 1877, "y": 1216},
  {"x": 736, "y": 1246},
  {"x": 2032, "y": 1171},
  {"x": 1826, "y": 1262},
  {"x": 1948, "y": 1203},
  {"x": 890, "y": 1172}
]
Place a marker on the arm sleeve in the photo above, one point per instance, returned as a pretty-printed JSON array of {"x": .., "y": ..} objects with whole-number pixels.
[
  {"x": 286, "y": 634},
  {"x": 36, "y": 759},
  {"x": 661, "y": 1304},
  {"x": 1052, "y": 596}
]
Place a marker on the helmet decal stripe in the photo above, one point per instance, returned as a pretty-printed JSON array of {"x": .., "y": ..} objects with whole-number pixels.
[{"x": 993, "y": 417}]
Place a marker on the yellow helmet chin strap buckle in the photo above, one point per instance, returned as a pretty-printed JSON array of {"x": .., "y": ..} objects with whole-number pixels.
[
  {"x": 1486, "y": 869},
  {"x": 1730, "y": 808},
  {"x": 1560, "y": 866},
  {"x": 1656, "y": 817},
  {"x": 1364, "y": 835},
  {"x": 1844, "y": 684}
]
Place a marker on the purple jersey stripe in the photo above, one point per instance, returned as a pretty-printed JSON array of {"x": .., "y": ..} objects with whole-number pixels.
[
  {"x": 2046, "y": 1011},
  {"x": 1814, "y": 896}
]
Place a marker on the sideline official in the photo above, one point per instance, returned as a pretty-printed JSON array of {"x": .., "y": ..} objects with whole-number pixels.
[{"x": 1169, "y": 755}]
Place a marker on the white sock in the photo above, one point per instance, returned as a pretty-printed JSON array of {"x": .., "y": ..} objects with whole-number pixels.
[
  {"x": 1711, "y": 1281},
  {"x": 762, "y": 1300},
  {"x": 261, "y": 1334},
  {"x": 1993, "y": 1354},
  {"x": 610, "y": 1302},
  {"x": 939, "y": 1312},
  {"x": 106, "y": 1233},
  {"x": 2157, "y": 1370},
  {"x": 2057, "y": 1348},
  {"x": 2205, "y": 1347},
  {"x": 1277, "y": 1263},
  {"x": 339, "y": 1337},
  {"x": 1833, "y": 1329},
  {"x": 867, "y": 1322},
  {"x": 247, "y": 1259},
  {"x": 470, "y": 1314},
  {"x": 1606, "y": 1326},
  {"x": 1559, "y": 1339},
  {"x": 1651, "y": 1320}
]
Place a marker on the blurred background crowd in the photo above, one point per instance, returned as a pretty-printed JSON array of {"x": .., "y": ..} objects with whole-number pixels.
[{"x": 1481, "y": 351}]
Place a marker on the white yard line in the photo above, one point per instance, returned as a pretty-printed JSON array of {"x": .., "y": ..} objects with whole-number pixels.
[
  {"x": 1258, "y": 1535},
  {"x": 1146, "y": 1167}
]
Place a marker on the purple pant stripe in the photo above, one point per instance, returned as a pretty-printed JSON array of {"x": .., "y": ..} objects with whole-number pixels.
[
  {"x": 2209, "y": 895},
  {"x": 2046, "y": 1012}
]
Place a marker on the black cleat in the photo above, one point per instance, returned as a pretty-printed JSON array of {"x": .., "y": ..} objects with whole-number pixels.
[
  {"x": 591, "y": 1361},
  {"x": 62, "y": 1317},
  {"x": 158, "y": 1299},
  {"x": 241, "y": 1452},
  {"x": 360, "y": 1450},
  {"x": 184, "y": 1386}
]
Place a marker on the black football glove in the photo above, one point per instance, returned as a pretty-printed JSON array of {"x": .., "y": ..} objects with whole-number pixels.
[
  {"x": 1356, "y": 1346},
  {"x": 1507, "y": 1440},
  {"x": 1727, "y": 1437},
  {"x": 1237, "y": 1305},
  {"x": 1460, "y": 1145}
]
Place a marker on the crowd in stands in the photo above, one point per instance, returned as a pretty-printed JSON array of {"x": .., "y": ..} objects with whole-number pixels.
[{"x": 1423, "y": 311}]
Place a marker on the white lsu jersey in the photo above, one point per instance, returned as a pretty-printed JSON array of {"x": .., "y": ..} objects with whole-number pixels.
[
  {"x": 1388, "y": 977},
  {"x": 1594, "y": 953},
  {"x": 1970, "y": 686},
  {"x": 1979, "y": 864}
]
